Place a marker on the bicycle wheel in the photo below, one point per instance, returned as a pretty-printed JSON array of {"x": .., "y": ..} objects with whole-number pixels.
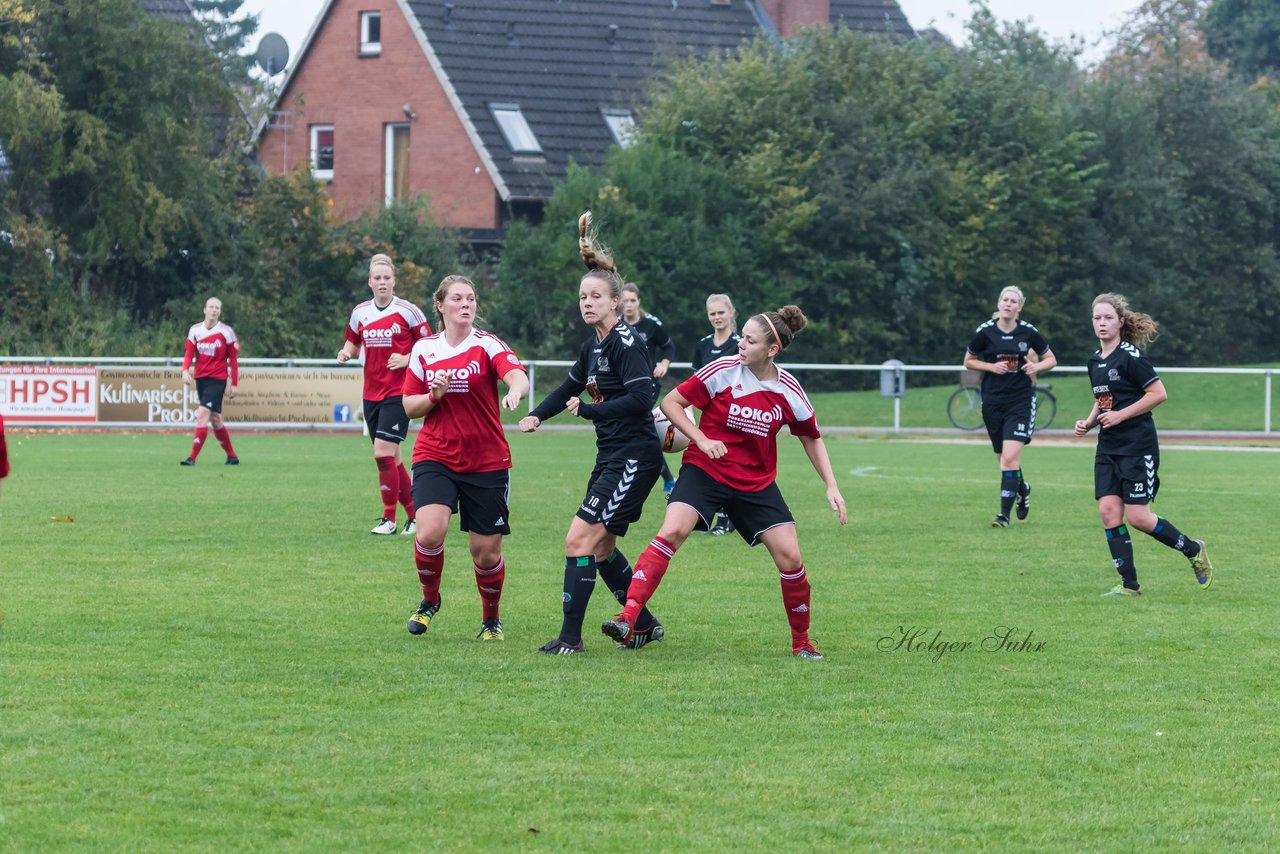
[
  {"x": 1046, "y": 408},
  {"x": 964, "y": 408}
]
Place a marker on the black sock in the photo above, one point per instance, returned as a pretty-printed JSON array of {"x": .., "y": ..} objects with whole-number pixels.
[
  {"x": 1166, "y": 533},
  {"x": 579, "y": 581},
  {"x": 667, "y": 476},
  {"x": 616, "y": 572},
  {"x": 1022, "y": 483},
  {"x": 1008, "y": 491},
  {"x": 1121, "y": 546}
]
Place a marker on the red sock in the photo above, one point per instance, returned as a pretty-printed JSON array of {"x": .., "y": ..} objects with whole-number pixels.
[
  {"x": 406, "y": 492},
  {"x": 489, "y": 583},
  {"x": 202, "y": 433},
  {"x": 388, "y": 485},
  {"x": 795, "y": 598},
  {"x": 646, "y": 576},
  {"x": 430, "y": 561},
  {"x": 224, "y": 439}
]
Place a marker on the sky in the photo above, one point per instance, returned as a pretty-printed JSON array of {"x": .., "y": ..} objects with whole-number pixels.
[{"x": 1059, "y": 19}]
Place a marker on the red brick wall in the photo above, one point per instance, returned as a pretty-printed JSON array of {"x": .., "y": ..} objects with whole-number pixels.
[
  {"x": 791, "y": 15},
  {"x": 359, "y": 96}
]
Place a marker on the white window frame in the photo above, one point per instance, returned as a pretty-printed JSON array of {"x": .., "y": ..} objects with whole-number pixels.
[
  {"x": 389, "y": 154},
  {"x": 622, "y": 126},
  {"x": 367, "y": 47},
  {"x": 515, "y": 129},
  {"x": 316, "y": 172}
]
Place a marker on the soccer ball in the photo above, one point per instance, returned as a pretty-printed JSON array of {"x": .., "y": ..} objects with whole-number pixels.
[{"x": 671, "y": 439}]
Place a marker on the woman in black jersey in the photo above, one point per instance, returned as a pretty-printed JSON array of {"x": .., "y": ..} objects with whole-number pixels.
[
  {"x": 723, "y": 341},
  {"x": 661, "y": 351},
  {"x": 1125, "y": 469},
  {"x": 613, "y": 367},
  {"x": 999, "y": 350}
]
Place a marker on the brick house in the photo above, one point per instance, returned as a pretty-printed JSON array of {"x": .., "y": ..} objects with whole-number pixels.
[{"x": 481, "y": 104}]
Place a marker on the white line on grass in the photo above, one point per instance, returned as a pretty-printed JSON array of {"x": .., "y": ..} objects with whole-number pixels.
[{"x": 1051, "y": 443}]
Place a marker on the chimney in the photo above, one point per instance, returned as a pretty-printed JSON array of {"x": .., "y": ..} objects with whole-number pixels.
[{"x": 790, "y": 16}]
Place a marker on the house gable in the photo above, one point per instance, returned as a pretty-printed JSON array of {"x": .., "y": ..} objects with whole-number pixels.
[
  {"x": 359, "y": 95},
  {"x": 562, "y": 66}
]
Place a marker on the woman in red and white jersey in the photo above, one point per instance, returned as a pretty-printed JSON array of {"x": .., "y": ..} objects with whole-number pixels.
[
  {"x": 461, "y": 460},
  {"x": 387, "y": 327},
  {"x": 214, "y": 348},
  {"x": 732, "y": 465}
]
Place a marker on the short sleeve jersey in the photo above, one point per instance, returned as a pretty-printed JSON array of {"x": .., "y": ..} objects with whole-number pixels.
[
  {"x": 1119, "y": 380},
  {"x": 383, "y": 331},
  {"x": 992, "y": 344},
  {"x": 463, "y": 431},
  {"x": 746, "y": 414},
  {"x": 707, "y": 350},
  {"x": 212, "y": 349},
  {"x": 608, "y": 369}
]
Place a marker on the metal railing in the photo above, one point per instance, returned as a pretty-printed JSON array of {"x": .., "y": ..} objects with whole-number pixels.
[{"x": 534, "y": 364}]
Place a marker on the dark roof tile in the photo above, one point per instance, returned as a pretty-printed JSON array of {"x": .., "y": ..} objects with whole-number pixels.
[{"x": 562, "y": 64}]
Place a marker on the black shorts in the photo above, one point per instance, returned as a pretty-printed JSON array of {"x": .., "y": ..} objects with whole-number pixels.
[
  {"x": 210, "y": 392},
  {"x": 483, "y": 496},
  {"x": 617, "y": 491},
  {"x": 752, "y": 513},
  {"x": 386, "y": 419},
  {"x": 1134, "y": 478},
  {"x": 1012, "y": 420}
]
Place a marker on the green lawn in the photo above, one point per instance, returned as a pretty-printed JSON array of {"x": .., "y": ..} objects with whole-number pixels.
[{"x": 215, "y": 658}]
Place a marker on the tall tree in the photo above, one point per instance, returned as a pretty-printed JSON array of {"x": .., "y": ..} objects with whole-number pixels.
[
  {"x": 1246, "y": 33},
  {"x": 117, "y": 157},
  {"x": 229, "y": 36}
]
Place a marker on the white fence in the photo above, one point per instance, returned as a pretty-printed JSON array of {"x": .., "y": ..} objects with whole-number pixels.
[{"x": 545, "y": 374}]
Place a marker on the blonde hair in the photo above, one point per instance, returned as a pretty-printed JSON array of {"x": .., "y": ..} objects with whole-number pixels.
[
  {"x": 733, "y": 312},
  {"x": 1135, "y": 327},
  {"x": 1010, "y": 289},
  {"x": 782, "y": 325},
  {"x": 442, "y": 291},
  {"x": 382, "y": 259},
  {"x": 598, "y": 259}
]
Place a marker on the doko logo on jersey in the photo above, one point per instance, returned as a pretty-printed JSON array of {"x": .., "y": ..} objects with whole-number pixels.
[
  {"x": 458, "y": 377},
  {"x": 380, "y": 337},
  {"x": 749, "y": 419}
]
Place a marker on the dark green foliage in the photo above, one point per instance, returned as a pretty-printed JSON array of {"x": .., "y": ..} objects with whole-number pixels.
[
  {"x": 888, "y": 189},
  {"x": 891, "y": 190},
  {"x": 1246, "y": 33},
  {"x": 299, "y": 273}
]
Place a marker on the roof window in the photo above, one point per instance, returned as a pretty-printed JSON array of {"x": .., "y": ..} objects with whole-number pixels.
[
  {"x": 622, "y": 125},
  {"x": 515, "y": 129}
]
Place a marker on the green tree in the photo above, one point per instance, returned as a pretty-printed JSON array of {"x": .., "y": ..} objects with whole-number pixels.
[
  {"x": 1245, "y": 32},
  {"x": 106, "y": 128},
  {"x": 889, "y": 189},
  {"x": 228, "y": 35}
]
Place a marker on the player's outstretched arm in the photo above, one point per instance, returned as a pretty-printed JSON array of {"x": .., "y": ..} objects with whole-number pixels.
[
  {"x": 517, "y": 382},
  {"x": 817, "y": 452},
  {"x": 673, "y": 406}
]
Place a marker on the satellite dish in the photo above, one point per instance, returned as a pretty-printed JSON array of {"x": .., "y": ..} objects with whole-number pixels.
[{"x": 273, "y": 54}]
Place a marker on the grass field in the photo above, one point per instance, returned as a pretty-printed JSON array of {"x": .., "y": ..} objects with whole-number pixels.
[{"x": 215, "y": 658}]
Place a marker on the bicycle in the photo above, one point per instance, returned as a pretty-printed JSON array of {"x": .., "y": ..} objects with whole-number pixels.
[{"x": 964, "y": 407}]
